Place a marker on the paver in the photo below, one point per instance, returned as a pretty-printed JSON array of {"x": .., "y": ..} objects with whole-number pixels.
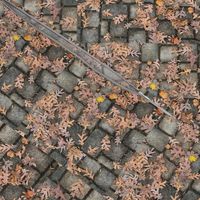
[
  {"x": 72, "y": 13},
  {"x": 143, "y": 109},
  {"x": 41, "y": 159},
  {"x": 196, "y": 186},
  {"x": 104, "y": 179},
  {"x": 190, "y": 195},
  {"x": 149, "y": 52},
  {"x": 16, "y": 111},
  {"x": 5, "y": 102},
  {"x": 93, "y": 19},
  {"x": 157, "y": 139},
  {"x": 12, "y": 192},
  {"x": 55, "y": 53},
  {"x": 168, "y": 53},
  {"x": 78, "y": 68},
  {"x": 169, "y": 125},
  {"x": 133, "y": 10},
  {"x": 90, "y": 35},
  {"x": 67, "y": 81},
  {"x": 8, "y": 135},
  {"x": 136, "y": 141},
  {"x": 31, "y": 5},
  {"x": 90, "y": 164},
  {"x": 21, "y": 65},
  {"x": 115, "y": 10},
  {"x": 95, "y": 195},
  {"x": 116, "y": 152},
  {"x": 67, "y": 181},
  {"x": 47, "y": 81},
  {"x": 28, "y": 90},
  {"x": 94, "y": 140}
]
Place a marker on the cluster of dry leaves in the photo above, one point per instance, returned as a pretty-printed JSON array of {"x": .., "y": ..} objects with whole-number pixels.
[{"x": 51, "y": 117}]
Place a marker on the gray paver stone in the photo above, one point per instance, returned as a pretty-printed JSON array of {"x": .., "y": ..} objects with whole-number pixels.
[
  {"x": 12, "y": 192},
  {"x": 170, "y": 169},
  {"x": 94, "y": 140},
  {"x": 93, "y": 19},
  {"x": 69, "y": 179},
  {"x": 46, "y": 81},
  {"x": 78, "y": 68},
  {"x": 143, "y": 109},
  {"x": 67, "y": 81},
  {"x": 58, "y": 173},
  {"x": 69, "y": 2},
  {"x": 9, "y": 77},
  {"x": 104, "y": 27},
  {"x": 79, "y": 108},
  {"x": 1, "y": 9},
  {"x": 31, "y": 5},
  {"x": 8, "y": 135},
  {"x": 41, "y": 159},
  {"x": 190, "y": 195},
  {"x": 21, "y": 65},
  {"x": 149, "y": 52},
  {"x": 16, "y": 111},
  {"x": 90, "y": 35},
  {"x": 5, "y": 102},
  {"x": 166, "y": 27},
  {"x": 90, "y": 164},
  {"x": 133, "y": 10},
  {"x": 29, "y": 90},
  {"x": 118, "y": 30},
  {"x": 94, "y": 195},
  {"x": 136, "y": 141},
  {"x": 116, "y": 152},
  {"x": 105, "y": 161},
  {"x": 104, "y": 106},
  {"x": 18, "y": 99},
  {"x": 157, "y": 139},
  {"x": 115, "y": 9},
  {"x": 196, "y": 186},
  {"x": 168, "y": 53},
  {"x": 58, "y": 157},
  {"x": 55, "y": 52},
  {"x": 70, "y": 12},
  {"x": 104, "y": 179},
  {"x": 169, "y": 125}
]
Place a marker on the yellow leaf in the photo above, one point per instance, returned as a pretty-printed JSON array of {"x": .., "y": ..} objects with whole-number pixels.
[
  {"x": 28, "y": 38},
  {"x": 192, "y": 158},
  {"x": 16, "y": 37},
  {"x": 100, "y": 99},
  {"x": 163, "y": 94},
  {"x": 153, "y": 86},
  {"x": 113, "y": 96}
]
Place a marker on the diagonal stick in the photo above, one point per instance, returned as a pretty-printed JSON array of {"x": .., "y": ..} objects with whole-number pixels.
[{"x": 89, "y": 60}]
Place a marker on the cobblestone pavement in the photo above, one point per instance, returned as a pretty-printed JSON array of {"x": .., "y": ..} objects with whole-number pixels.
[{"x": 51, "y": 166}]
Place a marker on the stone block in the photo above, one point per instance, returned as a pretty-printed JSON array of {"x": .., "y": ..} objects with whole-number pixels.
[
  {"x": 94, "y": 140},
  {"x": 169, "y": 125},
  {"x": 157, "y": 139},
  {"x": 94, "y": 195},
  {"x": 118, "y": 30},
  {"x": 190, "y": 195},
  {"x": 78, "y": 68},
  {"x": 90, "y": 35},
  {"x": 41, "y": 159},
  {"x": 168, "y": 53},
  {"x": 143, "y": 109},
  {"x": 196, "y": 186},
  {"x": 5, "y": 102},
  {"x": 69, "y": 179},
  {"x": 136, "y": 141},
  {"x": 16, "y": 111},
  {"x": 55, "y": 53},
  {"x": 91, "y": 164},
  {"x": 21, "y": 65},
  {"x": 70, "y": 12},
  {"x": 32, "y": 5},
  {"x": 133, "y": 11},
  {"x": 104, "y": 179},
  {"x": 93, "y": 19},
  {"x": 8, "y": 135},
  {"x": 67, "y": 81},
  {"x": 166, "y": 27},
  {"x": 12, "y": 192},
  {"x": 149, "y": 52}
]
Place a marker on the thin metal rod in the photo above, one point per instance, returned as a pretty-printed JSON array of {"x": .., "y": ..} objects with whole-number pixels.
[{"x": 89, "y": 60}]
